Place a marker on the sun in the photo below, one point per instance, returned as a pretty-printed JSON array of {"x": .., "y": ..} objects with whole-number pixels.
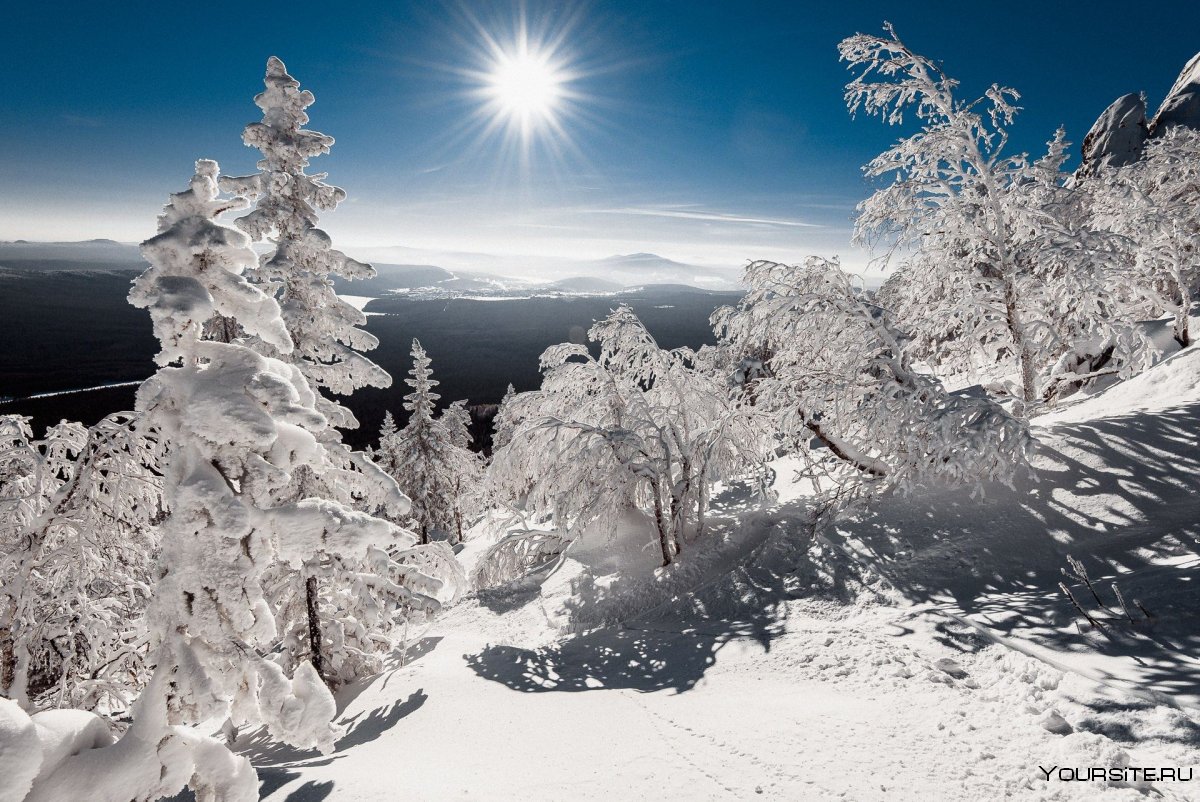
[{"x": 526, "y": 87}]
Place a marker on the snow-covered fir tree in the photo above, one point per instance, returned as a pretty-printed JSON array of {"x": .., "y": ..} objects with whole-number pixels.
[
  {"x": 430, "y": 457},
  {"x": 470, "y": 480},
  {"x": 832, "y": 376},
  {"x": 232, "y": 420},
  {"x": 312, "y": 600},
  {"x": 639, "y": 427},
  {"x": 998, "y": 274},
  {"x": 503, "y": 424},
  {"x": 323, "y": 328}
]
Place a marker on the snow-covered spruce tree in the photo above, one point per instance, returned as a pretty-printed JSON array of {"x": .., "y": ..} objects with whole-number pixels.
[
  {"x": 235, "y": 424},
  {"x": 322, "y": 327},
  {"x": 219, "y": 409},
  {"x": 639, "y": 427},
  {"x": 231, "y": 420},
  {"x": 430, "y": 458},
  {"x": 1155, "y": 203},
  {"x": 833, "y": 377},
  {"x": 315, "y": 615},
  {"x": 470, "y": 480},
  {"x": 998, "y": 273},
  {"x": 503, "y": 424},
  {"x": 75, "y": 589}
]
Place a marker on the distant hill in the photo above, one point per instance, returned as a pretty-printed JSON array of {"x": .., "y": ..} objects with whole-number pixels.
[
  {"x": 638, "y": 269},
  {"x": 602, "y": 276},
  {"x": 96, "y": 254}
]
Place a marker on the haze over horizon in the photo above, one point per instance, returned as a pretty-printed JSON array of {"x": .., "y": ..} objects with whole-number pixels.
[{"x": 609, "y": 131}]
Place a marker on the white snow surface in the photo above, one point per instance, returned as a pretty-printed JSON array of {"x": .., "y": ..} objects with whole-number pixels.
[{"x": 918, "y": 649}]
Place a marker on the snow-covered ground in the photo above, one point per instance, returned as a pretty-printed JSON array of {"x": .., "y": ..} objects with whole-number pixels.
[{"x": 920, "y": 649}]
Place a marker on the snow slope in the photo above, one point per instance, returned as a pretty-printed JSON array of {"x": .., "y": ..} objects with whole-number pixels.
[{"x": 919, "y": 649}]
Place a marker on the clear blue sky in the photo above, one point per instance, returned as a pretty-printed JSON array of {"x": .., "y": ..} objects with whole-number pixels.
[{"x": 705, "y": 131}]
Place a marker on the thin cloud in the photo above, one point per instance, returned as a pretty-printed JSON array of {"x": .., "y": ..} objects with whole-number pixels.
[{"x": 717, "y": 217}]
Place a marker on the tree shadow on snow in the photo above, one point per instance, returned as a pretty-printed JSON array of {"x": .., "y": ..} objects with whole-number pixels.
[
  {"x": 634, "y": 659},
  {"x": 662, "y": 630},
  {"x": 365, "y": 727},
  {"x": 1120, "y": 494},
  {"x": 311, "y": 791},
  {"x": 277, "y": 762}
]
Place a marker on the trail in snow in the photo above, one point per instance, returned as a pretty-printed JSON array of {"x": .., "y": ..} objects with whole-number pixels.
[{"x": 835, "y": 708}]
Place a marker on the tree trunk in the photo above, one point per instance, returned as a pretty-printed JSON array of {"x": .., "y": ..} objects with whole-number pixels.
[
  {"x": 8, "y": 662},
  {"x": 314, "y": 629},
  {"x": 1180, "y": 330},
  {"x": 664, "y": 537},
  {"x": 1016, "y": 328}
]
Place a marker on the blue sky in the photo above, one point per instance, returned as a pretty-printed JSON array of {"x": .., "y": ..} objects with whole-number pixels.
[{"x": 705, "y": 131}]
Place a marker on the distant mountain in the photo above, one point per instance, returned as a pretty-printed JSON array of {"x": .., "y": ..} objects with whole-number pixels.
[
  {"x": 486, "y": 274},
  {"x": 96, "y": 254},
  {"x": 638, "y": 269}
]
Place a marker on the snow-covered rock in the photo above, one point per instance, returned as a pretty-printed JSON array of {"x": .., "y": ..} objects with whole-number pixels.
[
  {"x": 1118, "y": 135},
  {"x": 1182, "y": 104}
]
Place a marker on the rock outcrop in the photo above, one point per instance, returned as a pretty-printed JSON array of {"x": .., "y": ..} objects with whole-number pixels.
[{"x": 1120, "y": 134}]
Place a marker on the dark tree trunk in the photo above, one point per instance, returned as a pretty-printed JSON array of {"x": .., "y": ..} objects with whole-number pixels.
[
  {"x": 8, "y": 661},
  {"x": 664, "y": 537},
  {"x": 314, "y": 629}
]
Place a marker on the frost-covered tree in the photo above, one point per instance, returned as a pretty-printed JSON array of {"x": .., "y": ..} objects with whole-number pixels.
[
  {"x": 316, "y": 611},
  {"x": 832, "y": 375},
  {"x": 998, "y": 273},
  {"x": 430, "y": 458},
  {"x": 343, "y": 612},
  {"x": 235, "y": 424},
  {"x": 31, "y": 474},
  {"x": 32, "y": 471},
  {"x": 76, "y": 584},
  {"x": 1154, "y": 203},
  {"x": 470, "y": 479},
  {"x": 503, "y": 424},
  {"x": 323, "y": 328},
  {"x": 227, "y": 417},
  {"x": 638, "y": 427}
]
